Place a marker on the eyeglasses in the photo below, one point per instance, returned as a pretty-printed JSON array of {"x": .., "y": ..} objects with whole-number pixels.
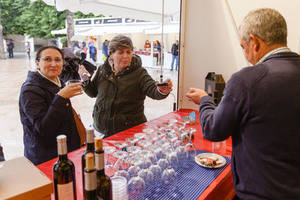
[{"x": 49, "y": 60}]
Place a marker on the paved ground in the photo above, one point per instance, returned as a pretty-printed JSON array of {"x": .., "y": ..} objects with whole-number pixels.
[{"x": 13, "y": 73}]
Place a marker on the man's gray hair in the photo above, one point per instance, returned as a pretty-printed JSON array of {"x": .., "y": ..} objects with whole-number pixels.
[
  {"x": 119, "y": 42},
  {"x": 266, "y": 24}
]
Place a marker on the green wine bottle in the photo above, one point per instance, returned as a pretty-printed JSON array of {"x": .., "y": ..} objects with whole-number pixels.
[
  {"x": 64, "y": 173},
  {"x": 104, "y": 186}
]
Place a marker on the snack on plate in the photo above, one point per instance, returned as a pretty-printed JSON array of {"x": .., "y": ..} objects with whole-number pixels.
[{"x": 207, "y": 161}]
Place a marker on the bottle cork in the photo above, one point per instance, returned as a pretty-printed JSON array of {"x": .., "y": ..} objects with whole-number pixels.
[
  {"x": 98, "y": 143},
  {"x": 89, "y": 161},
  {"x": 90, "y": 135}
]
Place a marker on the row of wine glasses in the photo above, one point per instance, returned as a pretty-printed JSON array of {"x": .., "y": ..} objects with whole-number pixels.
[{"x": 152, "y": 156}]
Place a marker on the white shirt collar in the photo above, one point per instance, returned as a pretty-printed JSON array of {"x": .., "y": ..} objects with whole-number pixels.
[
  {"x": 274, "y": 51},
  {"x": 56, "y": 82}
]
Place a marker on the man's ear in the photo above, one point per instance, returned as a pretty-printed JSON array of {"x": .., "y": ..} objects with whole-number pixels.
[{"x": 256, "y": 42}]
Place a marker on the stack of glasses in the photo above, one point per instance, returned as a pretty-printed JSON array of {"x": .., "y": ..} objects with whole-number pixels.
[{"x": 119, "y": 188}]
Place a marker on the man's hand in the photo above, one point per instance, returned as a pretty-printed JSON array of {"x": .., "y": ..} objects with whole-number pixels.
[
  {"x": 166, "y": 89},
  {"x": 70, "y": 90},
  {"x": 195, "y": 95}
]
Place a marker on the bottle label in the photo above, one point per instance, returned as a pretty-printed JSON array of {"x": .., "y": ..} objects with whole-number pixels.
[
  {"x": 99, "y": 159},
  {"x": 90, "y": 181},
  {"x": 65, "y": 191}
]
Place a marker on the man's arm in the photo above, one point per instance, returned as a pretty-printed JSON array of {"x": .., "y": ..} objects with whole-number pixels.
[{"x": 220, "y": 122}]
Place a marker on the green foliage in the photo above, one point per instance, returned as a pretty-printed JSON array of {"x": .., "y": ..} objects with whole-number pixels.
[
  {"x": 64, "y": 40},
  {"x": 35, "y": 19},
  {"x": 11, "y": 11},
  {"x": 80, "y": 15},
  {"x": 40, "y": 19}
]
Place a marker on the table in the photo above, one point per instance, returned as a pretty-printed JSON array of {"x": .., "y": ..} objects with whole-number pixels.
[{"x": 220, "y": 188}]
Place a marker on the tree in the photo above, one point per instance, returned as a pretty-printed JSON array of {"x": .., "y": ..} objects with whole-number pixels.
[
  {"x": 36, "y": 19},
  {"x": 39, "y": 20},
  {"x": 70, "y": 27},
  {"x": 2, "y": 53},
  {"x": 11, "y": 11}
]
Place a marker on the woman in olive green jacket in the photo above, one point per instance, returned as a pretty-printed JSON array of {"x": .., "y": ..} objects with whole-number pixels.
[{"x": 121, "y": 85}]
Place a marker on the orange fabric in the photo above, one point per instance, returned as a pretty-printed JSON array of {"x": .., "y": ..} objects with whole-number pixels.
[{"x": 80, "y": 128}]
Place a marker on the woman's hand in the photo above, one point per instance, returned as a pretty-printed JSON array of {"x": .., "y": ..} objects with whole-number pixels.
[
  {"x": 165, "y": 89},
  {"x": 83, "y": 73},
  {"x": 70, "y": 90}
]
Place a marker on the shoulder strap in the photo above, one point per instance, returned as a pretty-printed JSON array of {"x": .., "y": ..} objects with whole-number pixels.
[{"x": 80, "y": 128}]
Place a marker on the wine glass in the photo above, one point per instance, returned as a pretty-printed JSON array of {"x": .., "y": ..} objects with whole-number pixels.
[
  {"x": 172, "y": 122},
  {"x": 140, "y": 136},
  {"x": 152, "y": 157},
  {"x": 132, "y": 141},
  {"x": 163, "y": 163},
  {"x": 169, "y": 176},
  {"x": 109, "y": 166},
  {"x": 173, "y": 160},
  {"x": 156, "y": 171},
  {"x": 158, "y": 152},
  {"x": 123, "y": 173},
  {"x": 133, "y": 170},
  {"x": 148, "y": 130},
  {"x": 134, "y": 149},
  {"x": 122, "y": 161},
  {"x": 181, "y": 154},
  {"x": 108, "y": 151},
  {"x": 190, "y": 151},
  {"x": 136, "y": 185},
  {"x": 147, "y": 176},
  {"x": 145, "y": 144}
]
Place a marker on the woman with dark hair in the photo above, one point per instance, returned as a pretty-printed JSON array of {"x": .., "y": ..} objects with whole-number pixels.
[
  {"x": 45, "y": 107},
  {"x": 121, "y": 85}
]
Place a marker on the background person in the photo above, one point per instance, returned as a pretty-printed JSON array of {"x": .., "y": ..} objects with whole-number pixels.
[
  {"x": 121, "y": 85},
  {"x": 157, "y": 47},
  {"x": 105, "y": 49},
  {"x": 92, "y": 51},
  {"x": 2, "y": 158},
  {"x": 83, "y": 47},
  {"x": 10, "y": 48},
  {"x": 147, "y": 45},
  {"x": 175, "y": 51},
  {"x": 27, "y": 49},
  {"x": 260, "y": 109},
  {"x": 45, "y": 107}
]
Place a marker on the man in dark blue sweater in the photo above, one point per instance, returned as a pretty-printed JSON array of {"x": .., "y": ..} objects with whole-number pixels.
[{"x": 260, "y": 110}]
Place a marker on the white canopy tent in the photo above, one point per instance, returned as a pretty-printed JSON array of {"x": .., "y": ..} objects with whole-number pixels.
[
  {"x": 101, "y": 30},
  {"x": 137, "y": 9},
  {"x": 169, "y": 28}
]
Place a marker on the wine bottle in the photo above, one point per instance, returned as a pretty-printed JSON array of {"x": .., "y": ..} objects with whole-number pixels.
[
  {"x": 89, "y": 149},
  {"x": 64, "y": 173},
  {"x": 90, "y": 178},
  {"x": 104, "y": 186}
]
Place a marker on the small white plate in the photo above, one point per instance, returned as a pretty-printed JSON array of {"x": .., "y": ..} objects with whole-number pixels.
[{"x": 220, "y": 160}]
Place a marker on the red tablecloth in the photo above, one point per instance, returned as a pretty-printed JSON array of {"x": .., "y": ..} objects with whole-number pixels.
[{"x": 220, "y": 188}]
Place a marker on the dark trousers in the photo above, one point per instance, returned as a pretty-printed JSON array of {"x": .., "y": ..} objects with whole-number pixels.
[
  {"x": 1, "y": 154},
  {"x": 10, "y": 53}
]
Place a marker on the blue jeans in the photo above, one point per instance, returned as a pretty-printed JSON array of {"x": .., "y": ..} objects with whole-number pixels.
[
  {"x": 93, "y": 57},
  {"x": 173, "y": 59}
]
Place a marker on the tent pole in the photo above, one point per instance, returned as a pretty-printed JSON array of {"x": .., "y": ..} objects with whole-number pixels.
[{"x": 162, "y": 41}]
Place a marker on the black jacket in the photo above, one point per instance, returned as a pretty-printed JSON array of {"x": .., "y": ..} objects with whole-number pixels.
[
  {"x": 174, "y": 49},
  {"x": 120, "y": 99},
  {"x": 44, "y": 116},
  {"x": 260, "y": 109}
]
